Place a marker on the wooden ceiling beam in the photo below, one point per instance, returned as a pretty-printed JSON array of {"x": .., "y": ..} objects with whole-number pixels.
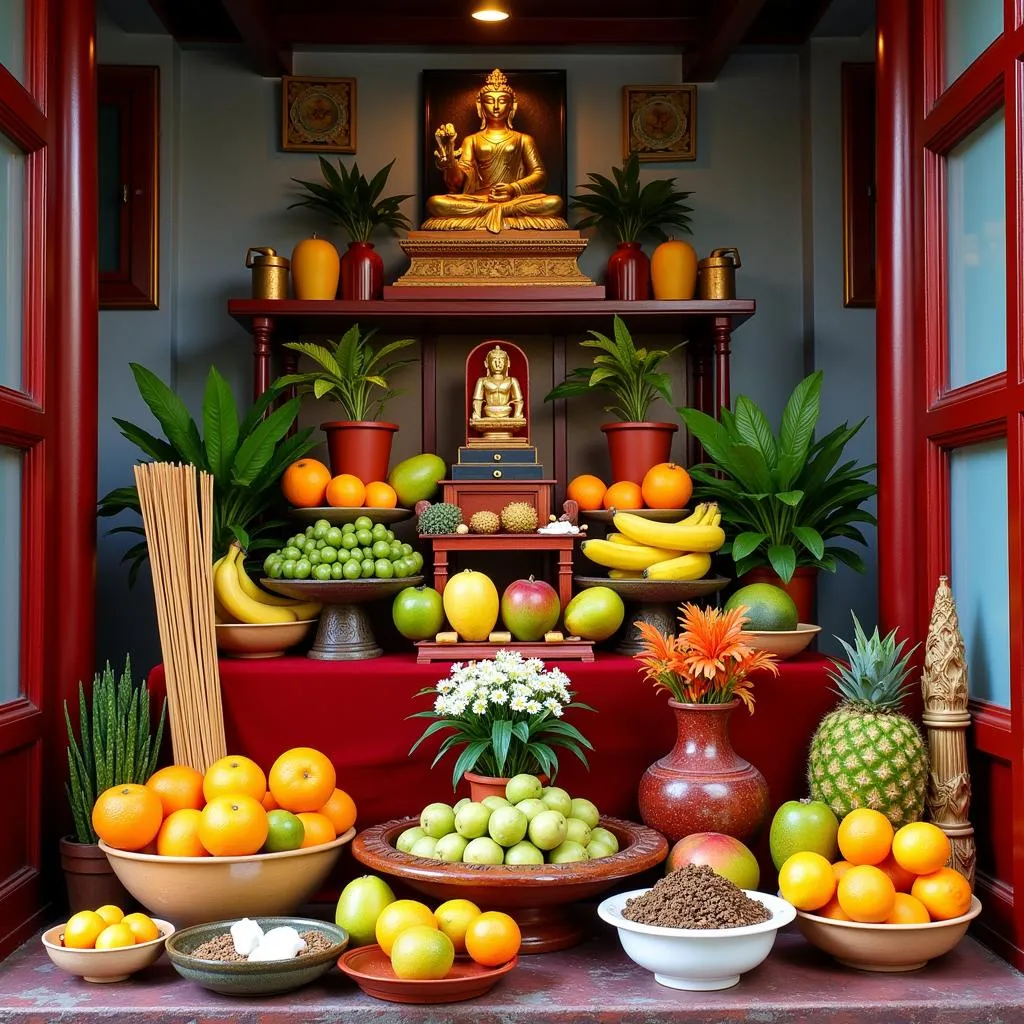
[
  {"x": 251, "y": 18},
  {"x": 729, "y": 24}
]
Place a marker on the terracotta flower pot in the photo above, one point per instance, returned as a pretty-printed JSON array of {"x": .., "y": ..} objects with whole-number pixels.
[
  {"x": 362, "y": 272},
  {"x": 362, "y": 448},
  {"x": 634, "y": 447},
  {"x": 702, "y": 784},
  {"x": 481, "y": 786},
  {"x": 802, "y": 588},
  {"x": 90, "y": 879},
  {"x": 629, "y": 273}
]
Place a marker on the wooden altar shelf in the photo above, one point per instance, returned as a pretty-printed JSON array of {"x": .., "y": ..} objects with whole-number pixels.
[{"x": 428, "y": 651}]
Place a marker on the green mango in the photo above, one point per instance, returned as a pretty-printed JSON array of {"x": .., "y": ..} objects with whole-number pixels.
[{"x": 416, "y": 478}]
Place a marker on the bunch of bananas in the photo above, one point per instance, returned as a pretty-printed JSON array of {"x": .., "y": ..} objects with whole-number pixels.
[
  {"x": 644, "y": 549},
  {"x": 237, "y": 598}
]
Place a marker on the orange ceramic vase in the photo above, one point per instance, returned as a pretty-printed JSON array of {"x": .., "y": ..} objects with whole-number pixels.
[
  {"x": 674, "y": 270},
  {"x": 316, "y": 267}
]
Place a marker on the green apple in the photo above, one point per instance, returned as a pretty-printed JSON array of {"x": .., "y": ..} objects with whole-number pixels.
[
  {"x": 359, "y": 906},
  {"x": 596, "y": 849},
  {"x": 531, "y": 808},
  {"x": 483, "y": 851},
  {"x": 437, "y": 820},
  {"x": 585, "y": 810},
  {"x": 284, "y": 831},
  {"x": 451, "y": 847},
  {"x": 577, "y": 831},
  {"x": 548, "y": 830},
  {"x": 507, "y": 826},
  {"x": 602, "y": 835},
  {"x": 800, "y": 826},
  {"x": 523, "y": 787},
  {"x": 425, "y": 847},
  {"x": 523, "y": 853},
  {"x": 418, "y": 612},
  {"x": 471, "y": 821},
  {"x": 568, "y": 853},
  {"x": 492, "y": 803},
  {"x": 557, "y": 799},
  {"x": 459, "y": 804},
  {"x": 407, "y": 840}
]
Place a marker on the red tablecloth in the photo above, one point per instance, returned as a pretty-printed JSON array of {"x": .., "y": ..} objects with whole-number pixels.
[{"x": 356, "y": 712}]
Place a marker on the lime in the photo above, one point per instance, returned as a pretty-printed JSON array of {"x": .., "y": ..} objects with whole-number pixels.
[
  {"x": 322, "y": 572},
  {"x": 333, "y": 537},
  {"x": 364, "y": 523},
  {"x": 338, "y": 571},
  {"x": 422, "y": 953},
  {"x": 284, "y": 831},
  {"x": 768, "y": 607},
  {"x": 364, "y": 536}
]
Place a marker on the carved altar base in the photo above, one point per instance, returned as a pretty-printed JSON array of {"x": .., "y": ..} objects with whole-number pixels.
[{"x": 481, "y": 262}]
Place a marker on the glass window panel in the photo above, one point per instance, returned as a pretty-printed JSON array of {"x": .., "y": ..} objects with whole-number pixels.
[
  {"x": 12, "y": 258},
  {"x": 970, "y": 25},
  {"x": 976, "y": 261},
  {"x": 109, "y": 122},
  {"x": 11, "y": 461},
  {"x": 12, "y": 37},
  {"x": 980, "y": 573}
]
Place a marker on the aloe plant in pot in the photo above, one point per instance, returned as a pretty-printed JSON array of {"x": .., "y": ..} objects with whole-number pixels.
[{"x": 789, "y": 505}]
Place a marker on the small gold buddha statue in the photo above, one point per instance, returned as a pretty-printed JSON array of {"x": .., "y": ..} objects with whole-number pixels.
[
  {"x": 495, "y": 177},
  {"x": 497, "y": 401}
]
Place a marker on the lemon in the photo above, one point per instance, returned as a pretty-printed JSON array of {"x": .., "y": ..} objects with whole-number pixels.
[
  {"x": 110, "y": 913},
  {"x": 83, "y": 929},
  {"x": 422, "y": 953},
  {"x": 114, "y": 936},
  {"x": 453, "y": 918},
  {"x": 396, "y": 917}
]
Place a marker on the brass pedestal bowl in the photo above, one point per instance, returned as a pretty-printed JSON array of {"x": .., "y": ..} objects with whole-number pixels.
[{"x": 538, "y": 897}]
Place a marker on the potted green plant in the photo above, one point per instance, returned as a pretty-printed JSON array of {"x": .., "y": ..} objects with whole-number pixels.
[
  {"x": 355, "y": 204},
  {"x": 355, "y": 374},
  {"x": 630, "y": 213},
  {"x": 789, "y": 504},
  {"x": 246, "y": 459},
  {"x": 632, "y": 378},
  {"x": 113, "y": 744}
]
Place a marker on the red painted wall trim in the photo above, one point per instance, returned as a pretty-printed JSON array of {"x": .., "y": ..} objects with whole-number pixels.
[{"x": 991, "y": 727}]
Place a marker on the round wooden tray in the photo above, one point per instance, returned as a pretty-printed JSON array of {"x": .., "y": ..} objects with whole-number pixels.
[
  {"x": 338, "y": 516},
  {"x": 657, "y": 515},
  {"x": 537, "y": 897}
]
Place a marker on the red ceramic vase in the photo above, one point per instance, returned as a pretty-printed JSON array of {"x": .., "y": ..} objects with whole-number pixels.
[
  {"x": 362, "y": 272},
  {"x": 702, "y": 784},
  {"x": 629, "y": 273}
]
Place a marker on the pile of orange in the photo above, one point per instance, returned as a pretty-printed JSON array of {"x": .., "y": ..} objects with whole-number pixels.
[
  {"x": 665, "y": 485},
  {"x": 883, "y": 878},
  {"x": 232, "y": 810},
  {"x": 107, "y": 927},
  {"x": 308, "y": 483}
]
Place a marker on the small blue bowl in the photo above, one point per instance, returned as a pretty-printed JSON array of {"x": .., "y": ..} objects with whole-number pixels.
[{"x": 254, "y": 979}]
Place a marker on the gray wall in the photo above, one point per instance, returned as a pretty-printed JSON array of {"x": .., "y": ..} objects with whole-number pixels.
[{"x": 226, "y": 186}]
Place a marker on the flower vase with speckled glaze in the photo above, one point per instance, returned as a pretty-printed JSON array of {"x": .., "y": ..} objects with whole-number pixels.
[{"x": 702, "y": 784}]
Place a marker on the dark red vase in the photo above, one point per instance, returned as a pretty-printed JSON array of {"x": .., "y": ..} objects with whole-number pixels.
[
  {"x": 629, "y": 273},
  {"x": 362, "y": 272},
  {"x": 702, "y": 784}
]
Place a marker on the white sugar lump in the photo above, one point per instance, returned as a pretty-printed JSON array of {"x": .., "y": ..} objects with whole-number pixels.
[
  {"x": 282, "y": 943},
  {"x": 246, "y": 935}
]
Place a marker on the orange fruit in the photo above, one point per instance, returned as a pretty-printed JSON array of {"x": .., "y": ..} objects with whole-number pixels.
[
  {"x": 234, "y": 774},
  {"x": 921, "y": 847},
  {"x": 806, "y": 880},
  {"x": 380, "y": 495},
  {"x": 114, "y": 936},
  {"x": 492, "y": 938},
  {"x": 839, "y": 868},
  {"x": 396, "y": 917},
  {"x": 178, "y": 786},
  {"x": 865, "y": 836},
  {"x": 833, "y": 910},
  {"x": 143, "y": 927},
  {"x": 127, "y": 817},
  {"x": 319, "y": 829},
  {"x": 345, "y": 491},
  {"x": 268, "y": 801},
  {"x": 110, "y": 913},
  {"x": 900, "y": 877},
  {"x": 623, "y": 495},
  {"x": 945, "y": 893},
  {"x": 304, "y": 483},
  {"x": 233, "y": 826},
  {"x": 587, "y": 491},
  {"x": 666, "y": 485},
  {"x": 866, "y": 894},
  {"x": 83, "y": 929},
  {"x": 179, "y": 834},
  {"x": 302, "y": 779},
  {"x": 454, "y": 918},
  {"x": 341, "y": 810},
  {"x": 908, "y": 910}
]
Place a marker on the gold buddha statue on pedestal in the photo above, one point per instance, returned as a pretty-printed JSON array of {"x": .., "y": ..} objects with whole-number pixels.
[
  {"x": 497, "y": 402},
  {"x": 495, "y": 177}
]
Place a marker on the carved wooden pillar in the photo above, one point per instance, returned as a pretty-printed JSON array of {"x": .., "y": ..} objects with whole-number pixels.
[
  {"x": 946, "y": 720},
  {"x": 722, "y": 338},
  {"x": 262, "y": 329},
  {"x": 700, "y": 364}
]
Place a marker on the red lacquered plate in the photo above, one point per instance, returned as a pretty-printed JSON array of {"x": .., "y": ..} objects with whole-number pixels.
[{"x": 370, "y": 968}]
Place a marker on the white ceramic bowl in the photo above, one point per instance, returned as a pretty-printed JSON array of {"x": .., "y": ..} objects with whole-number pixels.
[
  {"x": 697, "y": 959},
  {"x": 783, "y": 643},
  {"x": 105, "y": 965}
]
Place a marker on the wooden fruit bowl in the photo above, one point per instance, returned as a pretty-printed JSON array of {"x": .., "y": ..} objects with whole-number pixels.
[{"x": 536, "y": 896}]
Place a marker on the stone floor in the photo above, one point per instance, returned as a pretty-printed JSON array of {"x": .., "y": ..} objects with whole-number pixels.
[{"x": 590, "y": 984}]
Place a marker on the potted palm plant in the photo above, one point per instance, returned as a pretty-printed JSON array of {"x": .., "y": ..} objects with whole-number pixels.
[
  {"x": 632, "y": 378},
  {"x": 630, "y": 213},
  {"x": 789, "y": 504},
  {"x": 354, "y": 204},
  {"x": 356, "y": 375},
  {"x": 114, "y": 744}
]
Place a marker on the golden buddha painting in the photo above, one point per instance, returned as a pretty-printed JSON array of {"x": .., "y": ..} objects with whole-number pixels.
[{"x": 494, "y": 151}]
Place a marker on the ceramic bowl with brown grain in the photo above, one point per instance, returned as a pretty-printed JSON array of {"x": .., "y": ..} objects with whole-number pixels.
[
  {"x": 783, "y": 643},
  {"x": 105, "y": 965},
  {"x": 261, "y": 639}
]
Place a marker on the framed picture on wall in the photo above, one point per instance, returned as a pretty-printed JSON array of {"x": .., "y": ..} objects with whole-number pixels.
[
  {"x": 450, "y": 97},
  {"x": 659, "y": 122},
  {"x": 318, "y": 115}
]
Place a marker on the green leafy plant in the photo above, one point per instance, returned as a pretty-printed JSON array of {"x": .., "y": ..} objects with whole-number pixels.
[
  {"x": 629, "y": 374},
  {"x": 245, "y": 458},
  {"x": 784, "y": 499},
  {"x": 114, "y": 744},
  {"x": 351, "y": 372},
  {"x": 628, "y": 211},
  {"x": 353, "y": 202}
]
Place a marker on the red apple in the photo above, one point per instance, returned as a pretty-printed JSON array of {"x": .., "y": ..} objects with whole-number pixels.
[
  {"x": 529, "y": 608},
  {"x": 725, "y": 856}
]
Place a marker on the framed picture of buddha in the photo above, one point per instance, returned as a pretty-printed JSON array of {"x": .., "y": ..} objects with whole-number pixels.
[{"x": 493, "y": 137}]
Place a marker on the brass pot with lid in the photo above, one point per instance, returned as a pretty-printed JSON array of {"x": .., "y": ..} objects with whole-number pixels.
[
  {"x": 716, "y": 274},
  {"x": 269, "y": 273}
]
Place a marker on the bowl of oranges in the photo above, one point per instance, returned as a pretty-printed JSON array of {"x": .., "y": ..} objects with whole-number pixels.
[
  {"x": 890, "y": 904},
  {"x": 195, "y": 847},
  {"x": 106, "y": 945}
]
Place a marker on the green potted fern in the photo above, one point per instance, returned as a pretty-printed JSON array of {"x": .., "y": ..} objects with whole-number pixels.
[
  {"x": 356, "y": 375},
  {"x": 354, "y": 203},
  {"x": 630, "y": 213},
  {"x": 114, "y": 743}
]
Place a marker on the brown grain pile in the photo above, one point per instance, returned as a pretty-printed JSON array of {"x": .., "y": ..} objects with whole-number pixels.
[
  {"x": 222, "y": 947},
  {"x": 695, "y": 897}
]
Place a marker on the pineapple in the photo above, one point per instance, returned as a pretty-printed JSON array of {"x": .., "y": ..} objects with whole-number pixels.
[{"x": 867, "y": 753}]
